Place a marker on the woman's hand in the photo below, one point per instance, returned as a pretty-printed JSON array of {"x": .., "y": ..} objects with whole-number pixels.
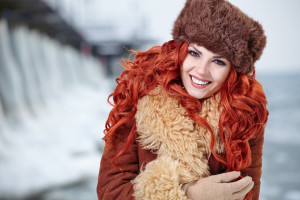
[{"x": 219, "y": 187}]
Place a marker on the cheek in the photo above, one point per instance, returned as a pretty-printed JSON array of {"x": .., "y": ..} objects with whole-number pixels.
[
  {"x": 220, "y": 75},
  {"x": 184, "y": 74},
  {"x": 187, "y": 65},
  {"x": 184, "y": 69}
]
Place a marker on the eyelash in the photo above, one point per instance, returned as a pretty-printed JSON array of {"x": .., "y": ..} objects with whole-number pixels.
[
  {"x": 195, "y": 54},
  {"x": 219, "y": 62}
]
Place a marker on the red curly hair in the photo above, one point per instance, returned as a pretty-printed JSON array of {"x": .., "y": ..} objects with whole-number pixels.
[{"x": 243, "y": 116}]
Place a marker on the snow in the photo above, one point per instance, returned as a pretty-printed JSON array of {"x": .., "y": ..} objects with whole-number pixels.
[
  {"x": 59, "y": 146},
  {"x": 52, "y": 113}
]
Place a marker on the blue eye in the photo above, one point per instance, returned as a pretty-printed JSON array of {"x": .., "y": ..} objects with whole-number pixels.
[
  {"x": 220, "y": 62},
  {"x": 193, "y": 53}
]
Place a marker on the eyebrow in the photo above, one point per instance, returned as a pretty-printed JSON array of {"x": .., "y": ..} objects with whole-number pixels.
[
  {"x": 219, "y": 57},
  {"x": 198, "y": 51}
]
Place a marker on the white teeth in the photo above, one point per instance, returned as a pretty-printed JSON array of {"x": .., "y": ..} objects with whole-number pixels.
[{"x": 199, "y": 82}]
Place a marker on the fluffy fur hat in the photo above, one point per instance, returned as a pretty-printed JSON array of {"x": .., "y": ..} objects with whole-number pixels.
[{"x": 223, "y": 29}]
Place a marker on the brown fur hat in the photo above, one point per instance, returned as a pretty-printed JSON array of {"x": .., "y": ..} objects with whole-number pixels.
[{"x": 223, "y": 29}]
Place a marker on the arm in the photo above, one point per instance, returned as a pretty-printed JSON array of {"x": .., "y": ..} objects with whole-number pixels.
[
  {"x": 242, "y": 187},
  {"x": 254, "y": 170},
  {"x": 113, "y": 184}
]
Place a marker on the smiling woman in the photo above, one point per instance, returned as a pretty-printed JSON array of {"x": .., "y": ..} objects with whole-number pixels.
[
  {"x": 203, "y": 73},
  {"x": 188, "y": 117}
]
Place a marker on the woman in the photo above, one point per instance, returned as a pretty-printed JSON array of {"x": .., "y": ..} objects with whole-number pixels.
[{"x": 188, "y": 117}]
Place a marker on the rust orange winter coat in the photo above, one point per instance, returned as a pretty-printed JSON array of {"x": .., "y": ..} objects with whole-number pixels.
[{"x": 168, "y": 150}]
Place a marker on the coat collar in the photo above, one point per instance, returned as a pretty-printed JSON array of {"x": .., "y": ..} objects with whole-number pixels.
[{"x": 165, "y": 129}]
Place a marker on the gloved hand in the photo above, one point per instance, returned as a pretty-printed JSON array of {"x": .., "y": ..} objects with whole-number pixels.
[{"x": 219, "y": 187}]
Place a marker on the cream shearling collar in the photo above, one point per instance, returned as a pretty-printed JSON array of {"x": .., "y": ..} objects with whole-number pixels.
[{"x": 181, "y": 145}]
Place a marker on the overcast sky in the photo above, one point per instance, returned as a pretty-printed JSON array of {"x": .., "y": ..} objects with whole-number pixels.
[{"x": 155, "y": 18}]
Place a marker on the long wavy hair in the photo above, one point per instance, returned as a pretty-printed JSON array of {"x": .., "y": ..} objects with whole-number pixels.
[{"x": 243, "y": 116}]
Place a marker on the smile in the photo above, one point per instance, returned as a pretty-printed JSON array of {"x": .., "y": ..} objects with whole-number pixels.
[{"x": 199, "y": 82}]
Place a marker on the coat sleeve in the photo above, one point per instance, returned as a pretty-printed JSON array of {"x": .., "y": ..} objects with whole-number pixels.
[
  {"x": 255, "y": 169},
  {"x": 112, "y": 183}
]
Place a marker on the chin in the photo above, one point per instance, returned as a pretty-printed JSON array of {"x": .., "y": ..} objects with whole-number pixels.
[{"x": 197, "y": 94}]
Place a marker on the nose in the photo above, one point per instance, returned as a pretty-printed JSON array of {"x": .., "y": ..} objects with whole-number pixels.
[{"x": 202, "y": 67}]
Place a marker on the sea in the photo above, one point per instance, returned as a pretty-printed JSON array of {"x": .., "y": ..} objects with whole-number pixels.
[{"x": 281, "y": 159}]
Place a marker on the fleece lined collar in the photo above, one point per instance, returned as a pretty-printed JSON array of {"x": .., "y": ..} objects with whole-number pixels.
[{"x": 181, "y": 145}]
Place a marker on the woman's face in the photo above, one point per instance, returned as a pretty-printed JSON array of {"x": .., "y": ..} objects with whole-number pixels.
[{"x": 203, "y": 72}]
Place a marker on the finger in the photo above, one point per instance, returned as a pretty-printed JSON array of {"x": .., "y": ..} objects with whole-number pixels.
[
  {"x": 226, "y": 177},
  {"x": 240, "y": 184},
  {"x": 241, "y": 194},
  {"x": 242, "y": 198}
]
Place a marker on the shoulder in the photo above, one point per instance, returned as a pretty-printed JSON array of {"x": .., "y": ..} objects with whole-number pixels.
[{"x": 258, "y": 139}]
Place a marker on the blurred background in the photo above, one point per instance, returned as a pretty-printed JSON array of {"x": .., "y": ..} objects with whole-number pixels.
[{"x": 58, "y": 64}]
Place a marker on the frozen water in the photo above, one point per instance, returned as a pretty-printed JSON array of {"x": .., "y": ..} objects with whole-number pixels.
[{"x": 57, "y": 101}]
